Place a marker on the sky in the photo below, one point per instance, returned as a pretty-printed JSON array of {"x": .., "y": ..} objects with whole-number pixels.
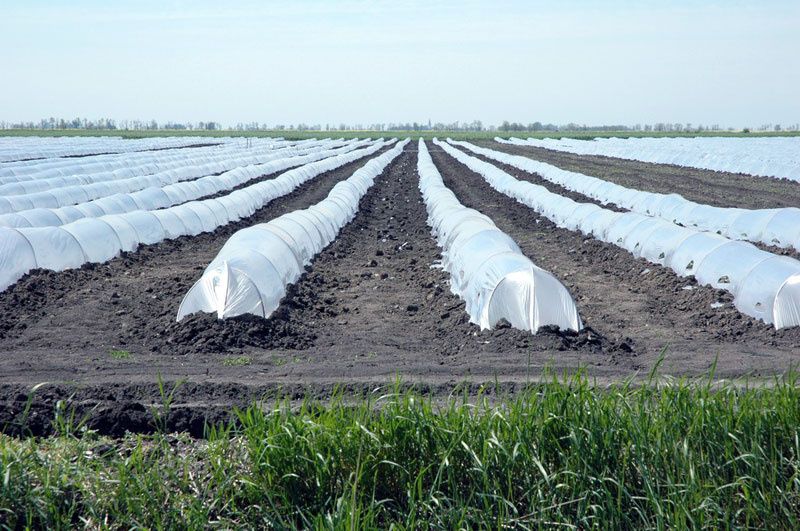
[{"x": 733, "y": 62}]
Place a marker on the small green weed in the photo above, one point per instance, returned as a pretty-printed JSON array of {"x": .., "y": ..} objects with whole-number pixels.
[
  {"x": 120, "y": 354},
  {"x": 161, "y": 412},
  {"x": 236, "y": 361}
]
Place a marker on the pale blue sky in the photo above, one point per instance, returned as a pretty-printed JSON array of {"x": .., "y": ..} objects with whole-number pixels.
[{"x": 728, "y": 62}]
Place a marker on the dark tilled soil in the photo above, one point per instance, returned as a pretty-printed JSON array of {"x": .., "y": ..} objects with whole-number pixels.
[
  {"x": 703, "y": 186},
  {"x": 370, "y": 309}
]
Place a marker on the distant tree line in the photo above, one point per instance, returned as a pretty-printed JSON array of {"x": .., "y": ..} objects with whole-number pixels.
[
  {"x": 108, "y": 124},
  {"x": 474, "y": 125},
  {"x": 661, "y": 127}
]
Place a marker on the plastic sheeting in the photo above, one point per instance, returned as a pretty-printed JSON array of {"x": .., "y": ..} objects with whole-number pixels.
[
  {"x": 79, "y": 193},
  {"x": 161, "y": 197},
  {"x": 764, "y": 285},
  {"x": 768, "y": 157},
  {"x": 64, "y": 172},
  {"x": 253, "y": 268},
  {"x": 98, "y": 239},
  {"x": 774, "y": 226},
  {"x": 25, "y": 148},
  {"x": 52, "y": 174},
  {"x": 487, "y": 269},
  {"x": 15, "y": 172},
  {"x": 174, "y": 166}
]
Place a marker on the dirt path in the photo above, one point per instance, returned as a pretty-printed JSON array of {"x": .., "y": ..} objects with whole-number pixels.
[
  {"x": 621, "y": 296},
  {"x": 703, "y": 186}
]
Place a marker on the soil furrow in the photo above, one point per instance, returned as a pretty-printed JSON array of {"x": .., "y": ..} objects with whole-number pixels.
[{"x": 619, "y": 295}]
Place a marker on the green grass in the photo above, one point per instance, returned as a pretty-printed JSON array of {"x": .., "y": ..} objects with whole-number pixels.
[
  {"x": 120, "y": 354},
  {"x": 564, "y": 453},
  {"x": 236, "y": 361},
  {"x": 459, "y": 135}
]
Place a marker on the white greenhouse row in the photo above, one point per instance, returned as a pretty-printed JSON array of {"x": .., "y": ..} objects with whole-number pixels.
[
  {"x": 100, "y": 239},
  {"x": 763, "y": 156},
  {"x": 772, "y": 226},
  {"x": 487, "y": 269},
  {"x": 155, "y": 196},
  {"x": 25, "y": 148},
  {"x": 124, "y": 166},
  {"x": 764, "y": 285},
  {"x": 253, "y": 268},
  {"x": 79, "y": 193},
  {"x": 11, "y": 172}
]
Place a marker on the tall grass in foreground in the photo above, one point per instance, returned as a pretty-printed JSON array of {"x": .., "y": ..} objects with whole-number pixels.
[{"x": 658, "y": 456}]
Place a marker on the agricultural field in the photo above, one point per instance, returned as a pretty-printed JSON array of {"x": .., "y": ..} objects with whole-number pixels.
[
  {"x": 157, "y": 284},
  {"x": 188, "y": 261}
]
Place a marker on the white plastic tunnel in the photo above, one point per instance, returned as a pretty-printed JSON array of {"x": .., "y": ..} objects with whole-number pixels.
[
  {"x": 156, "y": 190},
  {"x": 155, "y": 197},
  {"x": 487, "y": 269},
  {"x": 132, "y": 164}
]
